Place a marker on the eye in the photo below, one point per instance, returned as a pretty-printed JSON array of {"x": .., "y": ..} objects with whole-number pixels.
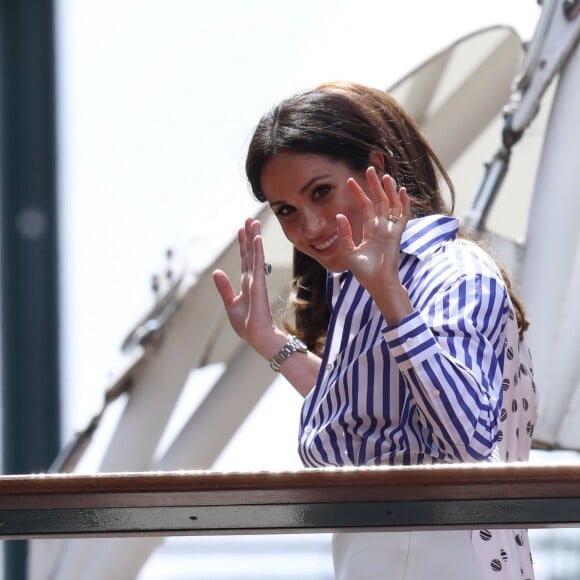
[
  {"x": 321, "y": 191},
  {"x": 283, "y": 210}
]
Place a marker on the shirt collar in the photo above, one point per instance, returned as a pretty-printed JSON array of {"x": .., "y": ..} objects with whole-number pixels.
[
  {"x": 421, "y": 234},
  {"x": 334, "y": 283}
]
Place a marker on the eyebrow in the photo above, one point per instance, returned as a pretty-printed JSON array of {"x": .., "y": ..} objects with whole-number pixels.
[{"x": 305, "y": 187}]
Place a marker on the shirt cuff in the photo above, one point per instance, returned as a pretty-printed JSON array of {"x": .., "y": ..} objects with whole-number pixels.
[{"x": 410, "y": 339}]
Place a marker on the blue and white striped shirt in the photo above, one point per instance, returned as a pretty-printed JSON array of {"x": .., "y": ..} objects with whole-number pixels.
[{"x": 427, "y": 389}]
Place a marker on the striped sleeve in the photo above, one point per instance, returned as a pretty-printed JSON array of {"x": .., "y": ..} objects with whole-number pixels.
[{"x": 450, "y": 352}]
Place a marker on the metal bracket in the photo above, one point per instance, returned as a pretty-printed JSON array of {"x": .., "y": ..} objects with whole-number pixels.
[{"x": 555, "y": 38}]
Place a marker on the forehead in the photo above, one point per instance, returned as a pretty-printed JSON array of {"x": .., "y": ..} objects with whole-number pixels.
[{"x": 288, "y": 174}]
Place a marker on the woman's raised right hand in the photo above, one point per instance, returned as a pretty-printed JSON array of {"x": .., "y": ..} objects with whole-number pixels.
[{"x": 249, "y": 311}]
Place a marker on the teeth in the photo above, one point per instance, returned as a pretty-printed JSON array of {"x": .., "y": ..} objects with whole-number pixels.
[{"x": 326, "y": 244}]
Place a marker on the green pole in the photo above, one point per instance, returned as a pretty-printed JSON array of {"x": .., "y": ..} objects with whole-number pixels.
[{"x": 28, "y": 247}]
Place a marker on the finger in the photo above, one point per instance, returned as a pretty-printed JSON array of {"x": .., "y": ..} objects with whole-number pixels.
[
  {"x": 360, "y": 196},
  {"x": 392, "y": 192},
  {"x": 379, "y": 197},
  {"x": 249, "y": 229},
  {"x": 224, "y": 287},
  {"x": 246, "y": 246},
  {"x": 257, "y": 250},
  {"x": 242, "y": 248},
  {"x": 344, "y": 232},
  {"x": 260, "y": 300},
  {"x": 256, "y": 226},
  {"x": 259, "y": 259}
]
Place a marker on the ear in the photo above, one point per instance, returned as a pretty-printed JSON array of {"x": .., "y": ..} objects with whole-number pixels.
[{"x": 377, "y": 160}]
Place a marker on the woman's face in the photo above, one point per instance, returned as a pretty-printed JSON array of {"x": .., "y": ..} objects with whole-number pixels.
[{"x": 306, "y": 191}]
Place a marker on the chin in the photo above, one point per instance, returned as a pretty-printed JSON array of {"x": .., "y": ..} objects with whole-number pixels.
[
  {"x": 336, "y": 267},
  {"x": 334, "y": 264}
]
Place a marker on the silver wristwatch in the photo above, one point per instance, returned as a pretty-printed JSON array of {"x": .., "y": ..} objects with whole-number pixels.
[{"x": 293, "y": 345}]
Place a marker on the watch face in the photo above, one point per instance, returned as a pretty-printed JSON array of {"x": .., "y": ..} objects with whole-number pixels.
[
  {"x": 300, "y": 345},
  {"x": 295, "y": 344}
]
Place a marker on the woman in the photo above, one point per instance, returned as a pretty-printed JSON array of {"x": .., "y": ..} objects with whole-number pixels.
[{"x": 406, "y": 337}]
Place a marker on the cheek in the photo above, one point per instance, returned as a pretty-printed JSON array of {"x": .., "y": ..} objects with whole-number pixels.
[{"x": 289, "y": 230}]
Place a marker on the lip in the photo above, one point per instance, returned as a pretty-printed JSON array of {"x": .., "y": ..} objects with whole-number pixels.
[{"x": 327, "y": 246}]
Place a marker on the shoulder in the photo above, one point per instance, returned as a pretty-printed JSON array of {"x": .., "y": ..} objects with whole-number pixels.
[
  {"x": 468, "y": 258},
  {"x": 460, "y": 258},
  {"x": 435, "y": 259},
  {"x": 460, "y": 269},
  {"x": 436, "y": 238}
]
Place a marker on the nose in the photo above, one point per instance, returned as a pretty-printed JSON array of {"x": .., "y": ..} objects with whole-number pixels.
[{"x": 312, "y": 223}]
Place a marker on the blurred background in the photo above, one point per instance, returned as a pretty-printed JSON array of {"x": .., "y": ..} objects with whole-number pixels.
[{"x": 156, "y": 104}]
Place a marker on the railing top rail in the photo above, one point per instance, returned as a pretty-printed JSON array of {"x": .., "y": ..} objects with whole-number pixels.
[{"x": 193, "y": 502}]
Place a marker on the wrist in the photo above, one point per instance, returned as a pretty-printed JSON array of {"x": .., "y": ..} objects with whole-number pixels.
[
  {"x": 394, "y": 303},
  {"x": 269, "y": 344}
]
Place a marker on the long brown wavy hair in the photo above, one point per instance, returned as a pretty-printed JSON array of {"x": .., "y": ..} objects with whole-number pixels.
[{"x": 347, "y": 122}]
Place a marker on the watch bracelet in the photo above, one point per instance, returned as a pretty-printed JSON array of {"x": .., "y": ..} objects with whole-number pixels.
[{"x": 293, "y": 344}]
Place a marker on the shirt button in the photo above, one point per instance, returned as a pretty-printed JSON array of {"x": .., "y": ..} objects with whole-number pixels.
[
  {"x": 307, "y": 429},
  {"x": 410, "y": 341},
  {"x": 329, "y": 366},
  {"x": 436, "y": 392}
]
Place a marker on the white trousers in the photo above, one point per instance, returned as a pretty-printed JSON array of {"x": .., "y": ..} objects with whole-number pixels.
[{"x": 440, "y": 555}]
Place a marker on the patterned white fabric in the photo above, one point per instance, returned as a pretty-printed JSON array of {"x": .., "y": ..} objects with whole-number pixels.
[{"x": 505, "y": 554}]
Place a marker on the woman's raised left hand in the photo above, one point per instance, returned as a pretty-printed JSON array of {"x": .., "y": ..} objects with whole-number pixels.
[{"x": 375, "y": 260}]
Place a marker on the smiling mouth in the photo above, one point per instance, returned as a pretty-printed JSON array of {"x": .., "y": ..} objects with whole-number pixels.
[{"x": 327, "y": 244}]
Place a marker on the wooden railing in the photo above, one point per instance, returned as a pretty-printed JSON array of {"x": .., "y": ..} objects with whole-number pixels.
[{"x": 196, "y": 503}]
